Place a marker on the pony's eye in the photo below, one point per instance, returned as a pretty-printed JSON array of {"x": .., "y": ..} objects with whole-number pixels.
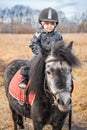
[{"x": 48, "y": 72}]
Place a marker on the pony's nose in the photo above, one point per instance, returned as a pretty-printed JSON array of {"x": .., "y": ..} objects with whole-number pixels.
[
  {"x": 60, "y": 101},
  {"x": 63, "y": 102},
  {"x": 69, "y": 101}
]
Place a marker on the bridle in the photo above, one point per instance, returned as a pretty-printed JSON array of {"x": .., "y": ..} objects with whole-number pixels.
[{"x": 48, "y": 91}]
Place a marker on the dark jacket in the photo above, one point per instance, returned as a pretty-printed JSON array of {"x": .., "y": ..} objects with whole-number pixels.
[
  {"x": 41, "y": 39},
  {"x": 44, "y": 39}
]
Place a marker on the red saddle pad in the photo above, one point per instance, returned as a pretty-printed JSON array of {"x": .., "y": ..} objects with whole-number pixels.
[{"x": 16, "y": 91}]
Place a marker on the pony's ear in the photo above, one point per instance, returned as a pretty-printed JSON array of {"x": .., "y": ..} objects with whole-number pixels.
[{"x": 70, "y": 45}]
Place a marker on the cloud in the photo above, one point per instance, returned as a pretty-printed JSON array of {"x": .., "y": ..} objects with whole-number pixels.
[
  {"x": 36, "y": 4},
  {"x": 71, "y": 8},
  {"x": 70, "y": 4}
]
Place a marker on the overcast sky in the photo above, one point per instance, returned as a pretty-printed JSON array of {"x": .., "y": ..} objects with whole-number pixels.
[{"x": 69, "y": 7}]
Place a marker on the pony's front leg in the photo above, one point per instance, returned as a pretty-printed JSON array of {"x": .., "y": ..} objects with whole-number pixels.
[{"x": 37, "y": 125}]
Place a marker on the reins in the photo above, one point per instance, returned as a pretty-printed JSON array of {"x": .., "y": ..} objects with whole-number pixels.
[{"x": 70, "y": 118}]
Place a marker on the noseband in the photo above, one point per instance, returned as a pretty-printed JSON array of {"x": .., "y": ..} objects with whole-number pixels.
[{"x": 48, "y": 91}]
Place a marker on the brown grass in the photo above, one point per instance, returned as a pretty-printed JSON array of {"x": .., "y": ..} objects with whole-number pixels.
[
  {"x": 14, "y": 46},
  {"x": 79, "y": 44}
]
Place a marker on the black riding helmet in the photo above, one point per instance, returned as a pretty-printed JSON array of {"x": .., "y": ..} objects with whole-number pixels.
[{"x": 49, "y": 14}]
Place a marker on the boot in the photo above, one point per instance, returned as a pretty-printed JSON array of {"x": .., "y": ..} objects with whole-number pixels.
[{"x": 23, "y": 83}]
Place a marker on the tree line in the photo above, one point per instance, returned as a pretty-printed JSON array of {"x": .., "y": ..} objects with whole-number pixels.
[
  {"x": 22, "y": 19},
  {"x": 73, "y": 28},
  {"x": 27, "y": 28}
]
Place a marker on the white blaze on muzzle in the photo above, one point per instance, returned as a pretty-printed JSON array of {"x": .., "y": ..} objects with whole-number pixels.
[{"x": 65, "y": 96}]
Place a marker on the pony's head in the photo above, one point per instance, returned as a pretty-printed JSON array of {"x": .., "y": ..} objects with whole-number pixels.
[
  {"x": 58, "y": 68},
  {"x": 53, "y": 69}
]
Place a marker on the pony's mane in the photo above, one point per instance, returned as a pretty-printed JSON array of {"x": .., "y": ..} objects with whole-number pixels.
[
  {"x": 63, "y": 53},
  {"x": 37, "y": 74}
]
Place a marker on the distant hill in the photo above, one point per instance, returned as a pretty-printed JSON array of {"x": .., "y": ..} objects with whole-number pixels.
[{"x": 26, "y": 14}]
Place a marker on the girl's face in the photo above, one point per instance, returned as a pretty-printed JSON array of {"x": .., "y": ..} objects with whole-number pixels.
[{"x": 48, "y": 26}]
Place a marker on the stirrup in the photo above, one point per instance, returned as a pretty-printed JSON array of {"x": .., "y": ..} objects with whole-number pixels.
[{"x": 22, "y": 85}]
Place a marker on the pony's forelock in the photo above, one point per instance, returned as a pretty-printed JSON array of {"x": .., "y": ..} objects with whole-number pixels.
[{"x": 61, "y": 52}]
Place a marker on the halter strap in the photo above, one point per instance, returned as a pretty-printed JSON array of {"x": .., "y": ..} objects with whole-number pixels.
[{"x": 52, "y": 60}]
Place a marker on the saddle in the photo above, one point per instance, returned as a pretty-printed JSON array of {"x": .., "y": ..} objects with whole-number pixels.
[{"x": 17, "y": 93}]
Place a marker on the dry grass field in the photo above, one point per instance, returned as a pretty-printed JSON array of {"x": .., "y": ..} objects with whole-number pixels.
[{"x": 14, "y": 46}]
